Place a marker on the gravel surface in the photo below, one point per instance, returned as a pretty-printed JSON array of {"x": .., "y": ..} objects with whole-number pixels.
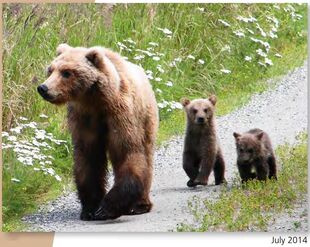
[{"x": 281, "y": 112}]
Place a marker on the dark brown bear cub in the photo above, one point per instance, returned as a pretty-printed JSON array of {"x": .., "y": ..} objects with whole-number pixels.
[
  {"x": 256, "y": 159},
  {"x": 202, "y": 152}
]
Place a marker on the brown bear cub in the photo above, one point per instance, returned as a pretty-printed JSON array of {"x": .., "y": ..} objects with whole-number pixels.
[
  {"x": 202, "y": 152},
  {"x": 256, "y": 159},
  {"x": 112, "y": 112}
]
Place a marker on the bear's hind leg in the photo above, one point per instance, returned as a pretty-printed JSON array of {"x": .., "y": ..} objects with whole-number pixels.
[
  {"x": 219, "y": 169},
  {"x": 127, "y": 190}
]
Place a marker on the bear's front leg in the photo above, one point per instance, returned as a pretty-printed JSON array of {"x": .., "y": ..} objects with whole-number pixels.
[
  {"x": 127, "y": 190},
  {"x": 206, "y": 166},
  {"x": 90, "y": 171}
]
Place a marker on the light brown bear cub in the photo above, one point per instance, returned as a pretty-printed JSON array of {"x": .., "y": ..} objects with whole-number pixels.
[
  {"x": 112, "y": 113},
  {"x": 202, "y": 152},
  {"x": 256, "y": 159}
]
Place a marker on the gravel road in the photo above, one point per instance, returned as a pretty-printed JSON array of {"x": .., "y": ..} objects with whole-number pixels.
[{"x": 281, "y": 112}]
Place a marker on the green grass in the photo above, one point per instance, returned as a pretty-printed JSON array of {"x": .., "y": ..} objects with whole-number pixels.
[
  {"x": 250, "y": 207},
  {"x": 31, "y": 33}
]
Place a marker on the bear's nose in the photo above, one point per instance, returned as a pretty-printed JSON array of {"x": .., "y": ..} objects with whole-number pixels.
[
  {"x": 200, "y": 120},
  {"x": 42, "y": 89}
]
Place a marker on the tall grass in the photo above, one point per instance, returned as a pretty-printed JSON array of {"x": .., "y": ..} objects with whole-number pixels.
[{"x": 194, "y": 50}]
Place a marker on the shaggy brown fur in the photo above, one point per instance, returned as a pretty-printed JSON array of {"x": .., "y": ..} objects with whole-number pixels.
[
  {"x": 256, "y": 159},
  {"x": 202, "y": 152},
  {"x": 111, "y": 111}
]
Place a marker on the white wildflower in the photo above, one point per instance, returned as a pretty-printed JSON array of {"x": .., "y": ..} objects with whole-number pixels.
[
  {"x": 226, "y": 48},
  {"x": 201, "y": 61},
  {"x": 17, "y": 129},
  {"x": 23, "y": 118},
  {"x": 262, "y": 64},
  {"x": 15, "y": 180},
  {"x": 250, "y": 31},
  {"x": 160, "y": 69},
  {"x": 58, "y": 178},
  {"x": 129, "y": 40},
  {"x": 165, "y": 31},
  {"x": 178, "y": 59},
  {"x": 153, "y": 44},
  {"x": 12, "y": 138},
  {"x": 239, "y": 33},
  {"x": 176, "y": 105},
  {"x": 156, "y": 58},
  {"x": 276, "y": 6},
  {"x": 261, "y": 53},
  {"x": 139, "y": 57},
  {"x": 268, "y": 61},
  {"x": 191, "y": 57},
  {"x": 278, "y": 55},
  {"x": 5, "y": 134},
  {"x": 247, "y": 58},
  {"x": 262, "y": 32},
  {"x": 169, "y": 83},
  {"x": 158, "y": 90},
  {"x": 226, "y": 71},
  {"x": 158, "y": 79},
  {"x": 226, "y": 24},
  {"x": 201, "y": 9},
  {"x": 50, "y": 171}
]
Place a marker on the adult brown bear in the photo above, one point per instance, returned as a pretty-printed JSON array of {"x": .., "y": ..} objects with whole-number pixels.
[{"x": 112, "y": 111}]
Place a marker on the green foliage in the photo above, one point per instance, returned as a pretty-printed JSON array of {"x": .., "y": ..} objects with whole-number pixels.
[
  {"x": 31, "y": 33},
  {"x": 249, "y": 207}
]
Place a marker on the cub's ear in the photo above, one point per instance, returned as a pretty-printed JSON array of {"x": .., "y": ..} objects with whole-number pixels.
[
  {"x": 260, "y": 135},
  {"x": 212, "y": 99},
  {"x": 185, "y": 102},
  {"x": 236, "y": 135},
  {"x": 95, "y": 57},
  {"x": 62, "y": 48}
]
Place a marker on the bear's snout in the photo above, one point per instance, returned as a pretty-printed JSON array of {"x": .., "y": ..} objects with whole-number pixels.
[
  {"x": 200, "y": 120},
  {"x": 42, "y": 90}
]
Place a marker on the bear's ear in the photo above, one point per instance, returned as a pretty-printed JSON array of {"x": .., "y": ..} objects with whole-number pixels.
[
  {"x": 237, "y": 135},
  {"x": 94, "y": 56},
  {"x": 62, "y": 48},
  {"x": 212, "y": 99},
  {"x": 259, "y": 136},
  {"x": 185, "y": 102}
]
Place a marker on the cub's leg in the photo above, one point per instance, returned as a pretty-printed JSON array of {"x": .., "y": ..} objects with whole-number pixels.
[
  {"x": 219, "y": 168},
  {"x": 191, "y": 167},
  {"x": 246, "y": 173},
  {"x": 272, "y": 167},
  {"x": 262, "y": 169}
]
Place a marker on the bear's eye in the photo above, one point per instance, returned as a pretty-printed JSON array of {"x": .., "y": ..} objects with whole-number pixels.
[
  {"x": 195, "y": 111},
  {"x": 49, "y": 70},
  {"x": 250, "y": 150},
  {"x": 241, "y": 150},
  {"x": 205, "y": 110},
  {"x": 65, "y": 74}
]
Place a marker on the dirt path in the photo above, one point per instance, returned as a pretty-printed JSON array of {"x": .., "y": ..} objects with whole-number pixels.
[{"x": 281, "y": 112}]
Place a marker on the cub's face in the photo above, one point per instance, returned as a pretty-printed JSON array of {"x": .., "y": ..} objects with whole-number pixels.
[
  {"x": 199, "y": 111},
  {"x": 248, "y": 146},
  {"x": 70, "y": 75}
]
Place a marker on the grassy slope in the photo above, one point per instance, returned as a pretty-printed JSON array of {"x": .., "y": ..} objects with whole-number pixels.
[
  {"x": 251, "y": 207},
  {"x": 32, "y": 33}
]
